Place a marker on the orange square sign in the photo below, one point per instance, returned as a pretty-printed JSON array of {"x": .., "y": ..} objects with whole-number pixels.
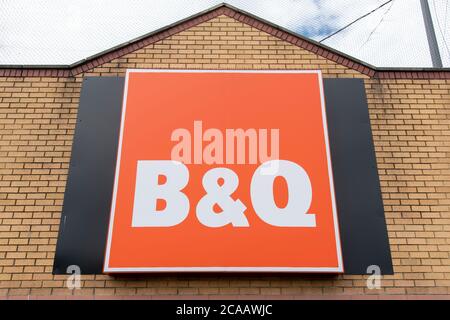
[{"x": 223, "y": 171}]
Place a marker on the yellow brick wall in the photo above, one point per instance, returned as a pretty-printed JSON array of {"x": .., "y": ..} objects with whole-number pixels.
[{"x": 411, "y": 131}]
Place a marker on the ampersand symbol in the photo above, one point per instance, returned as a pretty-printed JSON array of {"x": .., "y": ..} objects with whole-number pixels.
[{"x": 232, "y": 210}]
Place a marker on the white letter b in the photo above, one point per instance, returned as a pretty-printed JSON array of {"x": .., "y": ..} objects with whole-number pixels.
[{"x": 148, "y": 191}]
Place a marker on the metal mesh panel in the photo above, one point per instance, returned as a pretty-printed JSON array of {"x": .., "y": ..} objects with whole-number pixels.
[{"x": 65, "y": 31}]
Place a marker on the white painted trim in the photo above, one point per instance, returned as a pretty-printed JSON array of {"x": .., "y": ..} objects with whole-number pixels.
[
  {"x": 330, "y": 174},
  {"x": 222, "y": 269},
  {"x": 218, "y": 71},
  {"x": 116, "y": 175},
  {"x": 338, "y": 269}
]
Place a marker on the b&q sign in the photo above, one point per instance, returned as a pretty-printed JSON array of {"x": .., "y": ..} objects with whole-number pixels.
[{"x": 223, "y": 171}]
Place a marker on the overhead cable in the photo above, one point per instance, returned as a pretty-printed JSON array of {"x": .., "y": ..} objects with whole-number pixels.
[{"x": 356, "y": 20}]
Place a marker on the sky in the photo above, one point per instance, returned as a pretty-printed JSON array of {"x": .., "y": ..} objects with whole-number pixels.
[{"x": 48, "y": 32}]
